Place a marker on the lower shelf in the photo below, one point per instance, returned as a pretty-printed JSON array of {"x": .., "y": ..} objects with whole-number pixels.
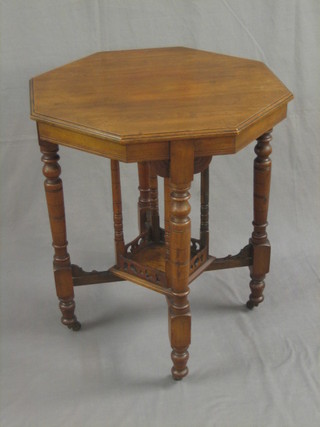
[
  {"x": 145, "y": 266},
  {"x": 140, "y": 281},
  {"x": 152, "y": 256},
  {"x": 148, "y": 263}
]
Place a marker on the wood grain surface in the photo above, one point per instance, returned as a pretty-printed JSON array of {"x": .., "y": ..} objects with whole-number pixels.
[{"x": 159, "y": 94}]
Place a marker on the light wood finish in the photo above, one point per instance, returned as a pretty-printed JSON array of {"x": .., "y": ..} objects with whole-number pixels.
[{"x": 170, "y": 110}]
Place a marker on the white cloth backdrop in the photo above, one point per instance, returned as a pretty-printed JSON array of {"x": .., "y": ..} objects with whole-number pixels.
[{"x": 258, "y": 368}]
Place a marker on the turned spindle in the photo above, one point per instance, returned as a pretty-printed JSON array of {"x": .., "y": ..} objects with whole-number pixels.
[
  {"x": 117, "y": 210},
  {"x": 144, "y": 198},
  {"x": 204, "y": 209},
  {"x": 154, "y": 204},
  {"x": 148, "y": 205},
  {"x": 167, "y": 219},
  {"x": 259, "y": 239},
  {"x": 61, "y": 260}
]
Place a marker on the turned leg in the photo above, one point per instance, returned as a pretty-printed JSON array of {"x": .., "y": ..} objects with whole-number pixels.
[
  {"x": 259, "y": 239},
  {"x": 148, "y": 205},
  {"x": 181, "y": 175},
  {"x": 61, "y": 260},
  {"x": 117, "y": 210}
]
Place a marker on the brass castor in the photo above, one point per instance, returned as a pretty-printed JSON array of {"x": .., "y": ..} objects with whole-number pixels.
[
  {"x": 76, "y": 326},
  {"x": 250, "y": 304}
]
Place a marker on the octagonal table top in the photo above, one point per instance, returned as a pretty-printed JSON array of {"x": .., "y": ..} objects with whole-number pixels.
[{"x": 160, "y": 94}]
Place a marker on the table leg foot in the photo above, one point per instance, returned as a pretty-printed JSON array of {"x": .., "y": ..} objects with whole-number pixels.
[
  {"x": 179, "y": 369},
  {"x": 68, "y": 318},
  {"x": 179, "y": 329},
  {"x": 256, "y": 297},
  {"x": 179, "y": 317}
]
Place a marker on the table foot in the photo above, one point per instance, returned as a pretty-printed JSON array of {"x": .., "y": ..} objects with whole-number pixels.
[
  {"x": 256, "y": 297},
  {"x": 76, "y": 326},
  {"x": 180, "y": 334},
  {"x": 68, "y": 318},
  {"x": 179, "y": 369}
]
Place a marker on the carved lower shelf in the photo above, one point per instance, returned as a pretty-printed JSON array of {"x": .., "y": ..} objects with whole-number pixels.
[
  {"x": 149, "y": 262},
  {"x": 122, "y": 275},
  {"x": 146, "y": 266},
  {"x": 140, "y": 281}
]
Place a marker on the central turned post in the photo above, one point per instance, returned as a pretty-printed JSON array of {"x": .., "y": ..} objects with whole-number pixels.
[
  {"x": 178, "y": 266},
  {"x": 148, "y": 205}
]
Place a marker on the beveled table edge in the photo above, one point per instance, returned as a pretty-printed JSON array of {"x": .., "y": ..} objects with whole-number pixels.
[{"x": 147, "y": 138}]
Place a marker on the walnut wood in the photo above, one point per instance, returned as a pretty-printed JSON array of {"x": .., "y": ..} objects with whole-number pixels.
[
  {"x": 140, "y": 281},
  {"x": 179, "y": 257},
  {"x": 144, "y": 198},
  {"x": 162, "y": 167},
  {"x": 167, "y": 222},
  {"x": 61, "y": 260},
  {"x": 170, "y": 110},
  {"x": 218, "y": 144},
  {"x": 148, "y": 259},
  {"x": 117, "y": 210},
  {"x": 81, "y": 277},
  {"x": 259, "y": 239},
  {"x": 158, "y": 95},
  {"x": 242, "y": 259},
  {"x": 147, "y": 264},
  {"x": 154, "y": 205},
  {"x": 204, "y": 209},
  {"x": 198, "y": 259},
  {"x": 148, "y": 205},
  {"x": 202, "y": 268}
]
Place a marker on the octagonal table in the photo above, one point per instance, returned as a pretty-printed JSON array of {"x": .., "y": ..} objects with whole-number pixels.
[{"x": 170, "y": 110}]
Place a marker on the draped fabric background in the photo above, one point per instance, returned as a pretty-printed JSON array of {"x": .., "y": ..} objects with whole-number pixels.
[{"x": 258, "y": 368}]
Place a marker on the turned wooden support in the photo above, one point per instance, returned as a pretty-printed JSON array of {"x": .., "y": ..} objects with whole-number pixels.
[
  {"x": 148, "y": 205},
  {"x": 154, "y": 204},
  {"x": 181, "y": 175},
  {"x": 117, "y": 210},
  {"x": 61, "y": 260},
  {"x": 144, "y": 198},
  {"x": 259, "y": 239},
  {"x": 167, "y": 201},
  {"x": 204, "y": 210}
]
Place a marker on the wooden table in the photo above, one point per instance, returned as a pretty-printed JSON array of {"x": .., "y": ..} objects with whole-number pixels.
[{"x": 170, "y": 110}]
